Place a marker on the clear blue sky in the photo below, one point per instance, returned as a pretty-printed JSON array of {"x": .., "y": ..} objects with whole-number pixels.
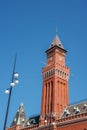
[{"x": 28, "y": 28}]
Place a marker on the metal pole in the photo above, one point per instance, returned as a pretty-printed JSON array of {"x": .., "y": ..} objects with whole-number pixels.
[{"x": 9, "y": 97}]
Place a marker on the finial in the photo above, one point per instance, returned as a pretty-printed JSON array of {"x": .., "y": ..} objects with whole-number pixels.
[{"x": 56, "y": 30}]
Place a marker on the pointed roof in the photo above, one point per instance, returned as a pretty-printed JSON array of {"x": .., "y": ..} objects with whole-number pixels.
[
  {"x": 56, "y": 42},
  {"x": 20, "y": 117}
]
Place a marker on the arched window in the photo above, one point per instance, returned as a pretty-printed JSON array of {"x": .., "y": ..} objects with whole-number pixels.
[
  {"x": 65, "y": 75},
  {"x": 49, "y": 73},
  {"x": 60, "y": 72}
]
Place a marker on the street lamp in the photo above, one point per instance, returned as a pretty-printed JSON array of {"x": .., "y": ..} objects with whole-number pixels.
[{"x": 14, "y": 81}]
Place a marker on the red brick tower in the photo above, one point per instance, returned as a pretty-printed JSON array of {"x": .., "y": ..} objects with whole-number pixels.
[{"x": 55, "y": 82}]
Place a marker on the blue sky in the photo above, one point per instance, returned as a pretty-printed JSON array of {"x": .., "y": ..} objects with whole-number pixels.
[{"x": 28, "y": 28}]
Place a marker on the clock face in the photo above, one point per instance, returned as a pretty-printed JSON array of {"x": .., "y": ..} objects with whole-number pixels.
[
  {"x": 51, "y": 58},
  {"x": 60, "y": 58}
]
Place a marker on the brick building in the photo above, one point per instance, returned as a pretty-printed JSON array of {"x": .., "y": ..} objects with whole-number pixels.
[{"x": 56, "y": 113}]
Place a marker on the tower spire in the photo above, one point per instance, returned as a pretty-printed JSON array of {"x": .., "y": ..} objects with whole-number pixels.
[{"x": 56, "y": 43}]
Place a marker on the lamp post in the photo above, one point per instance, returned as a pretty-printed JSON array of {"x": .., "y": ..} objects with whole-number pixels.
[{"x": 14, "y": 81}]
